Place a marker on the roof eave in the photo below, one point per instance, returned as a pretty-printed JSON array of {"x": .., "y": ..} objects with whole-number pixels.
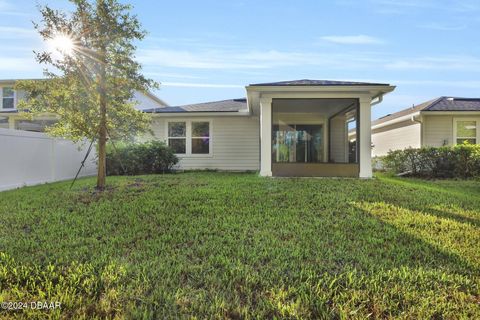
[
  {"x": 396, "y": 120},
  {"x": 449, "y": 112},
  {"x": 322, "y": 88},
  {"x": 201, "y": 114}
]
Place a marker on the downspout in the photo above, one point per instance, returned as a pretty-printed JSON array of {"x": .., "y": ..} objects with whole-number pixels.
[
  {"x": 414, "y": 119},
  {"x": 379, "y": 99}
]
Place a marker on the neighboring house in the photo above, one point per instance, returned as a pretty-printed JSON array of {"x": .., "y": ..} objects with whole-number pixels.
[
  {"x": 290, "y": 128},
  {"x": 438, "y": 122},
  {"x": 10, "y": 118}
]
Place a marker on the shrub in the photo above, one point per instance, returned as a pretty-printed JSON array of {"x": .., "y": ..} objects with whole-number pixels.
[
  {"x": 462, "y": 161},
  {"x": 140, "y": 158}
]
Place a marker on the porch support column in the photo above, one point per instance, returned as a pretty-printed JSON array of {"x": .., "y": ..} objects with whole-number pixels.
[
  {"x": 365, "y": 138},
  {"x": 266, "y": 137}
]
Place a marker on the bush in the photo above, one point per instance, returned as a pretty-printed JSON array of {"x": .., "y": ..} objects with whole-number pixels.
[
  {"x": 460, "y": 161},
  {"x": 140, "y": 158}
]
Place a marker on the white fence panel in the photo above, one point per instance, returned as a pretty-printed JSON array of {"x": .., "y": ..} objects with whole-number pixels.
[{"x": 29, "y": 158}]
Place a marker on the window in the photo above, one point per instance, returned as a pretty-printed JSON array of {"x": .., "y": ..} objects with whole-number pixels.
[
  {"x": 190, "y": 137},
  {"x": 177, "y": 136},
  {"x": 8, "y": 98},
  {"x": 466, "y": 131},
  {"x": 200, "y": 138}
]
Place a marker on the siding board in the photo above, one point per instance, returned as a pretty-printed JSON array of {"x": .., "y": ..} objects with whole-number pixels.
[
  {"x": 396, "y": 137},
  {"x": 235, "y": 143}
]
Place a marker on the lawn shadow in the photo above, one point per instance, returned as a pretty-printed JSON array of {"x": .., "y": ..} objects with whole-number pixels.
[
  {"x": 375, "y": 244},
  {"x": 431, "y": 186},
  {"x": 432, "y": 199}
]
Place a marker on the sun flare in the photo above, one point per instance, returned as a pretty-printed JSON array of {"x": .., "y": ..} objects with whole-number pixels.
[{"x": 62, "y": 43}]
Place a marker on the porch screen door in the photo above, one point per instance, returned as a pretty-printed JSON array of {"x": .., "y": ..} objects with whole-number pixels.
[{"x": 298, "y": 143}]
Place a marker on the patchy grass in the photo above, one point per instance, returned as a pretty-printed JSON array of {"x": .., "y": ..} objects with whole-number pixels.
[{"x": 217, "y": 245}]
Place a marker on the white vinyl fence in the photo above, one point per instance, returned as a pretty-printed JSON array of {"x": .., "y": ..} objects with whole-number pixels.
[{"x": 29, "y": 158}]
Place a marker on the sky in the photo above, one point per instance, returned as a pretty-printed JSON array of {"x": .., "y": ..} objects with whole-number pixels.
[{"x": 209, "y": 50}]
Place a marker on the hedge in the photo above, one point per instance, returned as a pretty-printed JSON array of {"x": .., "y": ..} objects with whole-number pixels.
[
  {"x": 140, "y": 158},
  {"x": 460, "y": 161}
]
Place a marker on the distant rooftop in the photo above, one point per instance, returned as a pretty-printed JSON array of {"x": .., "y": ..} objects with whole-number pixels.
[
  {"x": 231, "y": 105},
  {"x": 438, "y": 104},
  {"x": 307, "y": 82}
]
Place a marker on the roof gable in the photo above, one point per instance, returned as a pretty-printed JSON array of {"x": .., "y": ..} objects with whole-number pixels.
[
  {"x": 438, "y": 104},
  {"x": 454, "y": 104}
]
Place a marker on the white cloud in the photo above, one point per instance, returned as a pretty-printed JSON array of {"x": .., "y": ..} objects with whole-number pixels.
[
  {"x": 440, "y": 83},
  {"x": 443, "y": 27},
  {"x": 358, "y": 39},
  {"x": 157, "y": 60},
  {"x": 7, "y": 8},
  {"x": 248, "y": 60},
  {"x": 7, "y": 32},
  {"x": 200, "y": 85},
  {"x": 172, "y": 75},
  {"x": 465, "y": 63}
]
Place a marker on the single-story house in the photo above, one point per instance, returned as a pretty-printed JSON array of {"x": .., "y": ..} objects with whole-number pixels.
[
  {"x": 439, "y": 122},
  {"x": 289, "y": 128}
]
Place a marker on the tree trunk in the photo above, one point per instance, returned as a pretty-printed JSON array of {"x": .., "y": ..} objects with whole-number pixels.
[
  {"x": 102, "y": 154},
  {"x": 102, "y": 133}
]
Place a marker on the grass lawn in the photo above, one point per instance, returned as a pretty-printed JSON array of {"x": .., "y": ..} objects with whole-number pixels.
[{"x": 218, "y": 245}]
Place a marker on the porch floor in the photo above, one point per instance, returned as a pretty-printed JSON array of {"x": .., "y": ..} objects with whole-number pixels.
[{"x": 315, "y": 169}]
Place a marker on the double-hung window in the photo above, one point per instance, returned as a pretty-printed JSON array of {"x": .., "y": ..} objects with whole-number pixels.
[
  {"x": 190, "y": 137},
  {"x": 466, "y": 131},
  {"x": 8, "y": 98},
  {"x": 177, "y": 137}
]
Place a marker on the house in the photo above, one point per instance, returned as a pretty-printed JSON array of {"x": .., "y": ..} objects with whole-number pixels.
[
  {"x": 439, "y": 122},
  {"x": 10, "y": 118},
  {"x": 289, "y": 128}
]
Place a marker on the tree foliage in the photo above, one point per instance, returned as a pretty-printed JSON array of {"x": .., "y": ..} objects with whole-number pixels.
[{"x": 103, "y": 35}]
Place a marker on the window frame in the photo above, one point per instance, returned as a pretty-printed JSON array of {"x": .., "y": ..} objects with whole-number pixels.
[
  {"x": 188, "y": 143},
  {"x": 177, "y": 138},
  {"x": 14, "y": 98},
  {"x": 455, "y": 124}
]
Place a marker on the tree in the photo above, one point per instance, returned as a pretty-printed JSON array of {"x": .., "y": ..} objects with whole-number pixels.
[{"x": 94, "y": 76}]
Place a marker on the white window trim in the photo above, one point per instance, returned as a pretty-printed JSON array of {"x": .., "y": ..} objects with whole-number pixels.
[
  {"x": 188, "y": 137},
  {"x": 14, "y": 98},
  {"x": 477, "y": 124}
]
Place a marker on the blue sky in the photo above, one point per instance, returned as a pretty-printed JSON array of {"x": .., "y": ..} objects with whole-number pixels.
[{"x": 209, "y": 50}]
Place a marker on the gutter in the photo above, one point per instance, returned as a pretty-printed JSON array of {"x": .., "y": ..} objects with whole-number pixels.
[
  {"x": 201, "y": 114},
  {"x": 393, "y": 121},
  {"x": 415, "y": 119},
  {"x": 379, "y": 99}
]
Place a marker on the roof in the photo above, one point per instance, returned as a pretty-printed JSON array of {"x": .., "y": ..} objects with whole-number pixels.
[
  {"x": 438, "y": 104},
  {"x": 308, "y": 82},
  {"x": 231, "y": 105}
]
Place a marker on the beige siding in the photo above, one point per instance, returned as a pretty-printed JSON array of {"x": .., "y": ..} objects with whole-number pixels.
[
  {"x": 235, "y": 143},
  {"x": 395, "y": 137},
  {"x": 338, "y": 139},
  {"x": 437, "y": 130}
]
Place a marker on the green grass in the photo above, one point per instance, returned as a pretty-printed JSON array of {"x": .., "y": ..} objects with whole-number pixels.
[{"x": 218, "y": 245}]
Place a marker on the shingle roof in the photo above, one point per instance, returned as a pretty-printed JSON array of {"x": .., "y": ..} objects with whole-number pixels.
[
  {"x": 455, "y": 104},
  {"x": 307, "y": 82},
  {"x": 232, "y": 105},
  {"x": 438, "y": 104}
]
